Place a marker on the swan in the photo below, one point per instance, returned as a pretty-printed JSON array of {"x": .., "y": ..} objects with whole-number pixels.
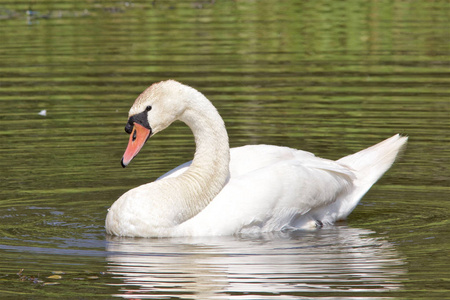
[{"x": 249, "y": 189}]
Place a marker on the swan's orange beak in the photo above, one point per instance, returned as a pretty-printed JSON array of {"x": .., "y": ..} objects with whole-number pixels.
[{"x": 138, "y": 137}]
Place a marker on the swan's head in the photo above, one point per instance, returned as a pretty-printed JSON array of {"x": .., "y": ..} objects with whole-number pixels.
[{"x": 153, "y": 111}]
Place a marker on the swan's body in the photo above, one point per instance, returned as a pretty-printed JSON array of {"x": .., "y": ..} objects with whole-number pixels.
[{"x": 248, "y": 189}]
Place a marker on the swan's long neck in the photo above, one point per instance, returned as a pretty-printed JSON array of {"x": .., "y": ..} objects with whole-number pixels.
[{"x": 209, "y": 170}]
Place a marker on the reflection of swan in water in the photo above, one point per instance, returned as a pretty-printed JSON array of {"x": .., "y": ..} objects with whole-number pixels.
[{"x": 332, "y": 260}]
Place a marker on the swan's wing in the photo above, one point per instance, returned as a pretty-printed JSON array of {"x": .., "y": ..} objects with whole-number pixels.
[{"x": 270, "y": 198}]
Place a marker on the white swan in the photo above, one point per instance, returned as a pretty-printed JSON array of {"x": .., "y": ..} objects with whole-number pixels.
[{"x": 248, "y": 189}]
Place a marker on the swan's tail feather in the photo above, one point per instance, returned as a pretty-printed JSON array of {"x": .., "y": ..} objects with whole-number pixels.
[
  {"x": 369, "y": 165},
  {"x": 372, "y": 162}
]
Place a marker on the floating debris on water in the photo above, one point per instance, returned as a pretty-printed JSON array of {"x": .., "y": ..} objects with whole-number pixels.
[
  {"x": 58, "y": 272},
  {"x": 57, "y": 277},
  {"x": 50, "y": 283}
]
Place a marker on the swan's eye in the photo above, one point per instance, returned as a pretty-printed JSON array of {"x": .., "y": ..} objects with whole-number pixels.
[{"x": 148, "y": 108}]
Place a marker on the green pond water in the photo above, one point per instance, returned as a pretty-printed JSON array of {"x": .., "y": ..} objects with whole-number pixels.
[{"x": 330, "y": 77}]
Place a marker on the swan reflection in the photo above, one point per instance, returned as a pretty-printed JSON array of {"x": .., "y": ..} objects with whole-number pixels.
[{"x": 334, "y": 261}]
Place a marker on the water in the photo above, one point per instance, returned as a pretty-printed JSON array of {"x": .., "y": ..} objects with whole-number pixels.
[{"x": 329, "y": 77}]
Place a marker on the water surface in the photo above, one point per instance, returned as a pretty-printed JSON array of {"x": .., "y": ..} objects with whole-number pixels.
[{"x": 323, "y": 76}]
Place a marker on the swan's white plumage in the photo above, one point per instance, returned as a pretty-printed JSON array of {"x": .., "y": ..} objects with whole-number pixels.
[{"x": 247, "y": 189}]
